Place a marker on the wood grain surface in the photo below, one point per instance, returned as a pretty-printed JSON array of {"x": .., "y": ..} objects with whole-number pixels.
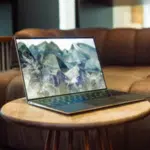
[{"x": 18, "y": 111}]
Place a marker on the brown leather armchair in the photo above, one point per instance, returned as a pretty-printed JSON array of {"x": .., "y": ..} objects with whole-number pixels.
[{"x": 124, "y": 55}]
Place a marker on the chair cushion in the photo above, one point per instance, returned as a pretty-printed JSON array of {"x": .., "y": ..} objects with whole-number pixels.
[
  {"x": 122, "y": 78},
  {"x": 15, "y": 88},
  {"x": 142, "y": 86}
]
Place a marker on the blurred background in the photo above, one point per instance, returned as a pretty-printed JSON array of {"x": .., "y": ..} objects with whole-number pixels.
[{"x": 68, "y": 14}]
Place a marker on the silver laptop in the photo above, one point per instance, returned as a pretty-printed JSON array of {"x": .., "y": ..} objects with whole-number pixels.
[{"x": 65, "y": 75}]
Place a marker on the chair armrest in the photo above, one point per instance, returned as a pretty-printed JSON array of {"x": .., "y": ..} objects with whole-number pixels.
[{"x": 5, "y": 78}]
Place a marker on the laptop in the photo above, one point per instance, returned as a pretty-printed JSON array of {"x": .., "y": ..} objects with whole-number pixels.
[{"x": 65, "y": 75}]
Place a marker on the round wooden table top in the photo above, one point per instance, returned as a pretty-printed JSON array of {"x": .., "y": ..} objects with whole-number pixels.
[{"x": 18, "y": 111}]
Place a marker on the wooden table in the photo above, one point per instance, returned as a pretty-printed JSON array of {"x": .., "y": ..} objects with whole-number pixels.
[{"x": 18, "y": 111}]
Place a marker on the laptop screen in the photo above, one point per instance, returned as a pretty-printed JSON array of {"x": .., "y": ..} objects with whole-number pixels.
[{"x": 57, "y": 66}]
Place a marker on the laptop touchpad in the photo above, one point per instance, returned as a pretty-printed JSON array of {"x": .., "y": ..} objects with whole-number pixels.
[{"x": 74, "y": 107}]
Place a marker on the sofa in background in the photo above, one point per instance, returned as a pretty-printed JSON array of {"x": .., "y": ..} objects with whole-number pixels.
[{"x": 125, "y": 58}]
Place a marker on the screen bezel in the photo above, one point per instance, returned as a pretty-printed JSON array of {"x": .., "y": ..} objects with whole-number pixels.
[{"x": 81, "y": 37}]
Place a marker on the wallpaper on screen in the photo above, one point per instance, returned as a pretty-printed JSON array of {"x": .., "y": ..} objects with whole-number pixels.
[{"x": 59, "y": 66}]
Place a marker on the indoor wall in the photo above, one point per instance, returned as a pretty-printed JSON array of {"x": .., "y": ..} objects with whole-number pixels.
[
  {"x": 38, "y": 14},
  {"x": 6, "y": 21}
]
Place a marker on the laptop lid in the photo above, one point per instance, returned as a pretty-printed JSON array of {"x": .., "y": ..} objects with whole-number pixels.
[{"x": 58, "y": 66}]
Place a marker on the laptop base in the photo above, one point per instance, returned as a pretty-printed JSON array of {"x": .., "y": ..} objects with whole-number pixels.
[{"x": 92, "y": 104}]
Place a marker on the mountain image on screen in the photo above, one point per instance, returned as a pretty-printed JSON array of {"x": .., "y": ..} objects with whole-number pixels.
[{"x": 50, "y": 70}]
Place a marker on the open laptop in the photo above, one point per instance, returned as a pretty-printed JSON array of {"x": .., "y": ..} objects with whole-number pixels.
[{"x": 65, "y": 75}]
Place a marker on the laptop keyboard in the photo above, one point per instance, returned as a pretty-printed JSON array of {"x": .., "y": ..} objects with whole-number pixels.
[
  {"x": 76, "y": 98},
  {"x": 62, "y": 100}
]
